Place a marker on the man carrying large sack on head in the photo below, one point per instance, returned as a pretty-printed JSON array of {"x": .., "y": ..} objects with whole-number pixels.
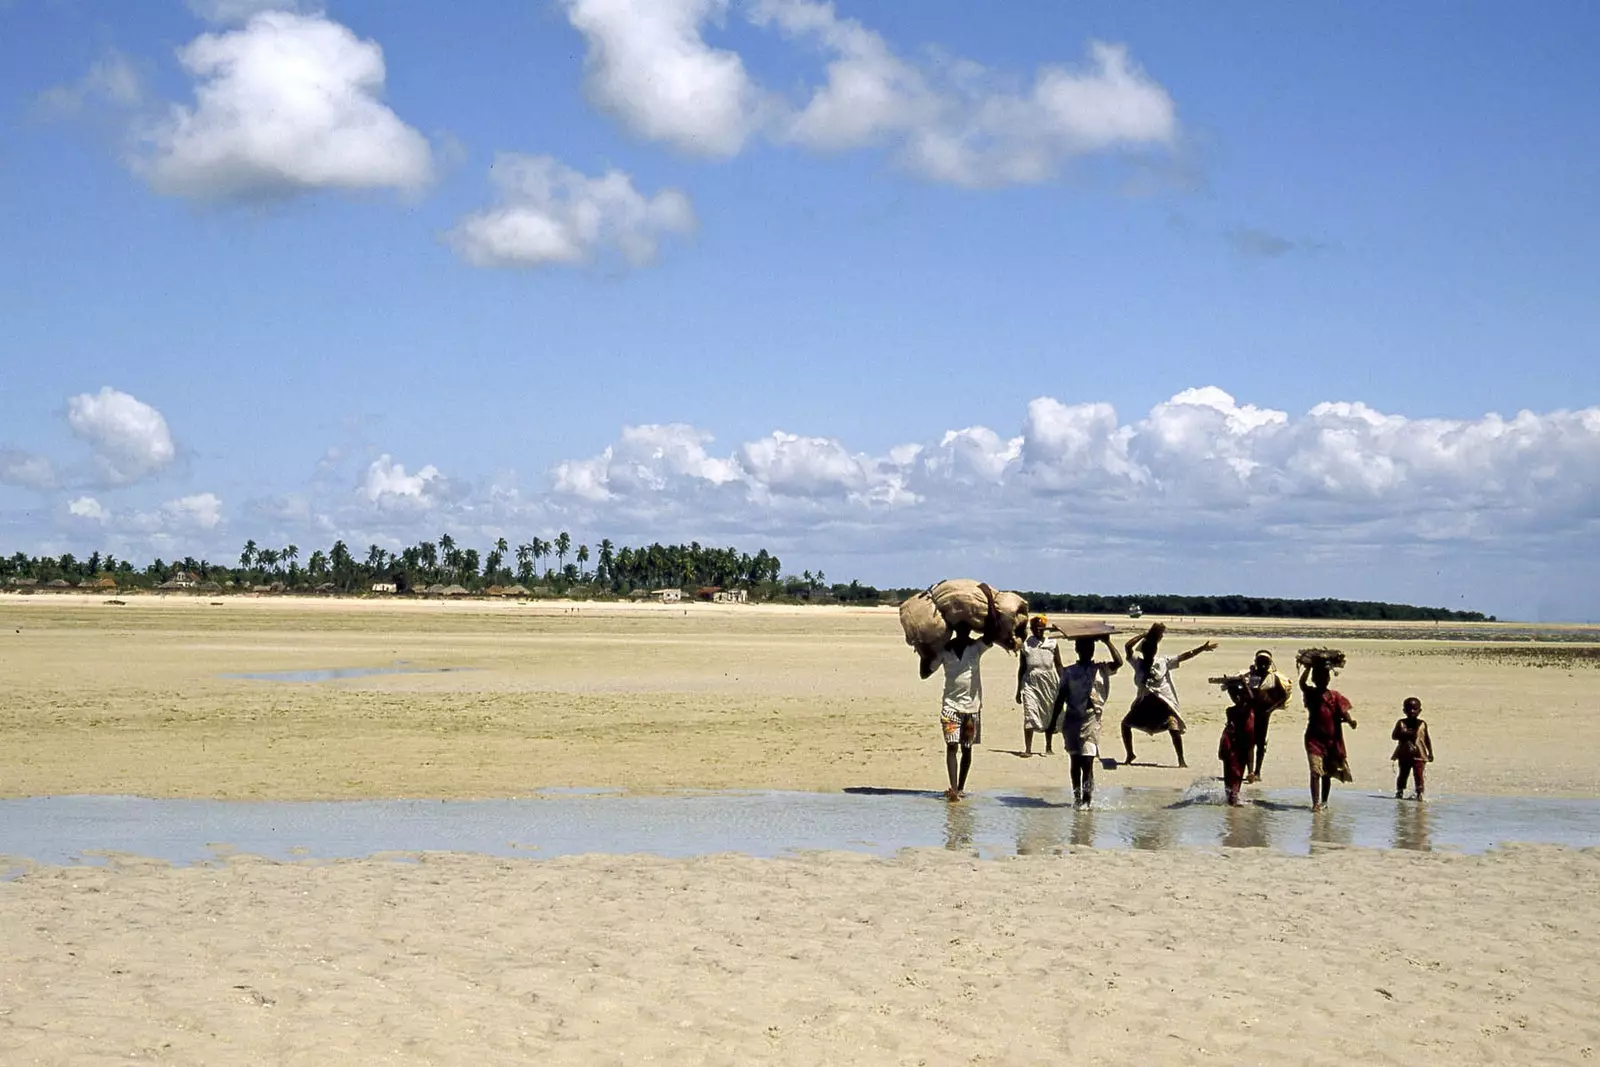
[{"x": 961, "y": 708}]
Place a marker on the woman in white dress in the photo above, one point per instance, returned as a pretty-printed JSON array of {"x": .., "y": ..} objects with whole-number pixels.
[{"x": 1038, "y": 681}]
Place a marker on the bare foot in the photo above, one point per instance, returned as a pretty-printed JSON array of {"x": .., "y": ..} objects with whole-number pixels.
[
  {"x": 952, "y": 795},
  {"x": 1129, "y": 761},
  {"x": 1316, "y": 808},
  {"x": 1182, "y": 764}
]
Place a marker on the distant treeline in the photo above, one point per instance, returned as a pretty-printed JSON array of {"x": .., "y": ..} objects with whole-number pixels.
[
  {"x": 616, "y": 571},
  {"x": 1238, "y": 605}
]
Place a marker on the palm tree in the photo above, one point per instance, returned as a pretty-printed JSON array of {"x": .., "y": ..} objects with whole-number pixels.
[
  {"x": 317, "y": 565},
  {"x": 247, "y": 558},
  {"x": 583, "y": 557},
  {"x": 525, "y": 563},
  {"x": 541, "y": 549},
  {"x": 563, "y": 546},
  {"x": 603, "y": 564}
]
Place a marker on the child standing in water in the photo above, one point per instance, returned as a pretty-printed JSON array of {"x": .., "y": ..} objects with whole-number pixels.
[
  {"x": 1327, "y": 713},
  {"x": 1238, "y": 737},
  {"x": 1413, "y": 748}
]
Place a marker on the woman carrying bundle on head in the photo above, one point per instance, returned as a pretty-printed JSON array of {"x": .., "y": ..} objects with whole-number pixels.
[
  {"x": 1327, "y": 712},
  {"x": 1038, "y": 680},
  {"x": 1155, "y": 702}
]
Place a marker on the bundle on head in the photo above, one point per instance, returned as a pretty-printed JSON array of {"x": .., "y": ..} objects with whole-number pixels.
[
  {"x": 1320, "y": 657},
  {"x": 926, "y": 630},
  {"x": 998, "y": 617},
  {"x": 930, "y": 618}
]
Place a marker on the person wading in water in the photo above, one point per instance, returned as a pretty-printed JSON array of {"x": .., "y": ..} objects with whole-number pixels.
[
  {"x": 1269, "y": 691},
  {"x": 1413, "y": 747},
  {"x": 1155, "y": 702},
  {"x": 1085, "y": 685},
  {"x": 961, "y": 707},
  {"x": 1327, "y": 711}
]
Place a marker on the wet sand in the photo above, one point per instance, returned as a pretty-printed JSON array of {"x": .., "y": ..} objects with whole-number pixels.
[
  {"x": 510, "y": 698},
  {"x": 1097, "y": 957},
  {"x": 931, "y": 957}
]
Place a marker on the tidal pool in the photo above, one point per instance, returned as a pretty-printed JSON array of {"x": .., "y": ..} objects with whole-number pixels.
[
  {"x": 329, "y": 674},
  {"x": 76, "y": 829}
]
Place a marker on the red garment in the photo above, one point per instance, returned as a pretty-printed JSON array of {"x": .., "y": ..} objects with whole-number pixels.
[
  {"x": 1238, "y": 740},
  {"x": 1328, "y": 711}
]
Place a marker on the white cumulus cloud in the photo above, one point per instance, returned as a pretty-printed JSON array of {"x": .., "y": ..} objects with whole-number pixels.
[
  {"x": 547, "y": 213},
  {"x": 230, "y": 11},
  {"x": 1196, "y": 466},
  {"x": 285, "y": 104},
  {"x": 947, "y": 119},
  {"x": 650, "y": 67},
  {"x": 87, "y": 507},
  {"x": 202, "y": 511},
  {"x": 387, "y": 483},
  {"x": 129, "y": 437}
]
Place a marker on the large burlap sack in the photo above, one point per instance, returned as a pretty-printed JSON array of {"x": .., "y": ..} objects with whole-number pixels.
[
  {"x": 962, "y": 602},
  {"x": 1009, "y": 625},
  {"x": 926, "y": 630}
]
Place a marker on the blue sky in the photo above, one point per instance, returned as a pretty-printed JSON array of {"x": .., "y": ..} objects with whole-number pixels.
[{"x": 1102, "y": 296}]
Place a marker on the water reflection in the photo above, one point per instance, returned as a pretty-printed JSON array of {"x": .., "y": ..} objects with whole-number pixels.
[
  {"x": 1332, "y": 826},
  {"x": 1039, "y": 830},
  {"x": 1411, "y": 829},
  {"x": 1153, "y": 830},
  {"x": 1245, "y": 826},
  {"x": 1083, "y": 828},
  {"x": 960, "y": 826},
  {"x": 56, "y": 829}
]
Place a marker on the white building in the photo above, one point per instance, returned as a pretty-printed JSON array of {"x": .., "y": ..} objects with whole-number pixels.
[
  {"x": 667, "y": 596},
  {"x": 384, "y": 587}
]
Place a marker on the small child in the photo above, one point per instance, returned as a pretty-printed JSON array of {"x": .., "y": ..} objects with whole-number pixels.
[
  {"x": 1238, "y": 738},
  {"x": 1414, "y": 748}
]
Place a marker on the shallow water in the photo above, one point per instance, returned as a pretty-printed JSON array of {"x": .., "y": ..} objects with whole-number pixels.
[
  {"x": 73, "y": 829},
  {"x": 329, "y": 674}
]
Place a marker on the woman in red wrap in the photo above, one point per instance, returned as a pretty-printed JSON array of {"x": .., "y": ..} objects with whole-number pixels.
[{"x": 1327, "y": 711}]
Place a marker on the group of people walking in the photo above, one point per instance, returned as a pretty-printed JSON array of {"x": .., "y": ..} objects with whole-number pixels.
[{"x": 1069, "y": 699}]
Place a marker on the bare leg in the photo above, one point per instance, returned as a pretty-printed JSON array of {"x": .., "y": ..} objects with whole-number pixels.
[
  {"x": 1177, "y": 746},
  {"x": 1127, "y": 741},
  {"x": 1049, "y": 742},
  {"x": 1088, "y": 778},
  {"x": 1327, "y": 786},
  {"x": 1077, "y": 780},
  {"x": 1400, "y": 782},
  {"x": 1316, "y": 802},
  {"x": 1417, "y": 767},
  {"x": 952, "y": 761},
  {"x": 966, "y": 765},
  {"x": 1027, "y": 740}
]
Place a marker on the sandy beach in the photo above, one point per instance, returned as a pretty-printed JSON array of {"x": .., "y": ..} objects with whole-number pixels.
[
  {"x": 137, "y": 699},
  {"x": 935, "y": 958},
  {"x": 932, "y": 957}
]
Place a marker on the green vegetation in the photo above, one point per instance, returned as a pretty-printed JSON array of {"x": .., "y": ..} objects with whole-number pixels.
[{"x": 434, "y": 565}]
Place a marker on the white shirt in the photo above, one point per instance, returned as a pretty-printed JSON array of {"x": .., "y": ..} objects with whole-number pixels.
[
  {"x": 1088, "y": 685},
  {"x": 1156, "y": 677},
  {"x": 963, "y": 686}
]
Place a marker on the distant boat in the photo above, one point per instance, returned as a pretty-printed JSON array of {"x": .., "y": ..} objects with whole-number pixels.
[{"x": 1134, "y": 611}]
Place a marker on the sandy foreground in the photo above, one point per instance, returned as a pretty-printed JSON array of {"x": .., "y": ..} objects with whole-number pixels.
[
  {"x": 134, "y": 699},
  {"x": 935, "y": 957},
  {"x": 1246, "y": 957}
]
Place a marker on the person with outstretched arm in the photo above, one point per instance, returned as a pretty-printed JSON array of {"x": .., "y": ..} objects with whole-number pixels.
[{"x": 1155, "y": 702}]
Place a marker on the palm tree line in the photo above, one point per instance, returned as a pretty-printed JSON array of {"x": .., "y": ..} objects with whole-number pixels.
[{"x": 443, "y": 561}]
